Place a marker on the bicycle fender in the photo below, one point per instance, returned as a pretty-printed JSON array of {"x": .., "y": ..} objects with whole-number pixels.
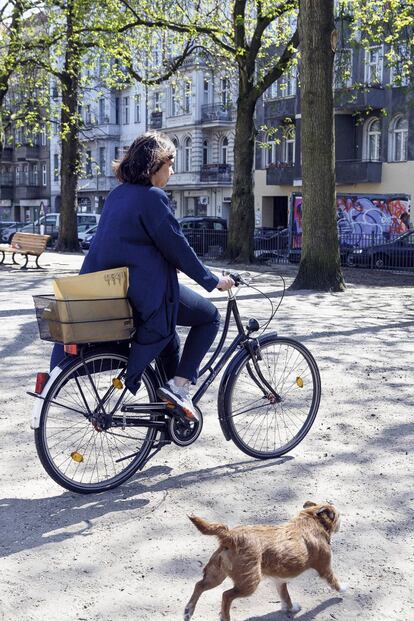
[
  {"x": 230, "y": 370},
  {"x": 37, "y": 408}
]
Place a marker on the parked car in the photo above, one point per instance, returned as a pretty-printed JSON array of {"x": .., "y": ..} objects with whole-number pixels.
[
  {"x": 347, "y": 245},
  {"x": 49, "y": 224},
  {"x": 397, "y": 253},
  {"x": 7, "y": 233},
  {"x": 86, "y": 238},
  {"x": 205, "y": 234},
  {"x": 270, "y": 244}
]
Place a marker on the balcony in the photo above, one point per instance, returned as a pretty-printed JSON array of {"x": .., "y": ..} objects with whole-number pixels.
[
  {"x": 97, "y": 183},
  {"x": 280, "y": 109},
  {"x": 155, "y": 120},
  {"x": 216, "y": 173},
  {"x": 358, "y": 171},
  {"x": 7, "y": 154},
  {"x": 27, "y": 152},
  {"x": 217, "y": 114},
  {"x": 31, "y": 192},
  {"x": 6, "y": 192},
  {"x": 352, "y": 99},
  {"x": 280, "y": 173}
]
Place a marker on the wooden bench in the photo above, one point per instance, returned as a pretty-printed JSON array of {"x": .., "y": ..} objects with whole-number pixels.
[{"x": 26, "y": 244}]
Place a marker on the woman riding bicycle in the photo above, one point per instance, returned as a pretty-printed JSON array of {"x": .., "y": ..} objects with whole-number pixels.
[{"x": 137, "y": 229}]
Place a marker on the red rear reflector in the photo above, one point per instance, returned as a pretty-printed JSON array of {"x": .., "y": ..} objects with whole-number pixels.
[
  {"x": 71, "y": 349},
  {"x": 41, "y": 380}
]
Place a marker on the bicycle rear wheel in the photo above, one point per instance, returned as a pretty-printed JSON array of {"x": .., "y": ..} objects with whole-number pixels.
[
  {"x": 259, "y": 423},
  {"x": 74, "y": 450}
]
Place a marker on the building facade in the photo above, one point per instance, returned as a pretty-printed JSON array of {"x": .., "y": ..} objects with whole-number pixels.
[
  {"x": 25, "y": 176},
  {"x": 374, "y": 135}
]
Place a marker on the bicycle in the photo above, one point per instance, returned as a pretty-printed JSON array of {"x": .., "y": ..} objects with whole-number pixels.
[{"x": 92, "y": 435}]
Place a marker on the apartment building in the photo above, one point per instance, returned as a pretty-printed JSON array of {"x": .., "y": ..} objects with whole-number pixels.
[
  {"x": 374, "y": 127},
  {"x": 197, "y": 111},
  {"x": 24, "y": 175}
]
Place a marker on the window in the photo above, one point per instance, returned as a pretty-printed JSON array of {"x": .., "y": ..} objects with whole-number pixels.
[
  {"x": 56, "y": 167},
  {"x": 35, "y": 175},
  {"x": 373, "y": 140},
  {"x": 102, "y": 163},
  {"x": 373, "y": 65},
  {"x": 174, "y": 106},
  {"x": 187, "y": 97},
  {"x": 343, "y": 68},
  {"x": 116, "y": 110},
  {"x": 101, "y": 107},
  {"x": 225, "y": 92},
  {"x": 126, "y": 110},
  {"x": 287, "y": 84},
  {"x": 187, "y": 154},
  {"x": 18, "y": 177},
  {"x": 88, "y": 164},
  {"x": 205, "y": 152},
  {"x": 44, "y": 175},
  {"x": 398, "y": 140},
  {"x": 400, "y": 64},
  {"x": 43, "y": 135},
  {"x": 137, "y": 108},
  {"x": 176, "y": 145},
  {"x": 206, "y": 91},
  {"x": 25, "y": 174},
  {"x": 116, "y": 154},
  {"x": 270, "y": 150},
  {"x": 157, "y": 102},
  {"x": 224, "y": 150},
  {"x": 88, "y": 115},
  {"x": 288, "y": 145}
]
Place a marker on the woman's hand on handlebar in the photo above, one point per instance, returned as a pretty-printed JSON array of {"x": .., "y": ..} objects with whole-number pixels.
[{"x": 225, "y": 283}]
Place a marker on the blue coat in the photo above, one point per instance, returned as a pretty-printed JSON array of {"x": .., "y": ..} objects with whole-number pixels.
[{"x": 137, "y": 229}]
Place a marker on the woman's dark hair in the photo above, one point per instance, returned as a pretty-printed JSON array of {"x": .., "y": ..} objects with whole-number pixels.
[{"x": 144, "y": 158}]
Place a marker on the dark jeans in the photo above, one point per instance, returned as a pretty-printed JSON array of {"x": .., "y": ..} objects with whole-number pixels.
[
  {"x": 202, "y": 316},
  {"x": 194, "y": 311}
]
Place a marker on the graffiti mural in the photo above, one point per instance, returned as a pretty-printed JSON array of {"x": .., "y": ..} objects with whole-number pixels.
[{"x": 361, "y": 219}]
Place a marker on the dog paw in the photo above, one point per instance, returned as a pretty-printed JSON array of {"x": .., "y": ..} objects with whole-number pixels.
[
  {"x": 188, "y": 612},
  {"x": 343, "y": 588}
]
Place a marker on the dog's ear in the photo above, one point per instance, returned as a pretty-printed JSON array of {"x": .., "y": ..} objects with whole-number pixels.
[
  {"x": 326, "y": 511},
  {"x": 309, "y": 503}
]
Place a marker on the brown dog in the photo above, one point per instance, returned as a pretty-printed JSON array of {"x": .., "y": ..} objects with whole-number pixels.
[{"x": 246, "y": 553}]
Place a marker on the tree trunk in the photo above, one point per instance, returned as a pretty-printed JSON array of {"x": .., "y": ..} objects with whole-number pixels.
[
  {"x": 241, "y": 226},
  {"x": 320, "y": 267},
  {"x": 69, "y": 168}
]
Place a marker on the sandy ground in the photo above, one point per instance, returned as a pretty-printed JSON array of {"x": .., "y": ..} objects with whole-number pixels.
[{"x": 132, "y": 555}]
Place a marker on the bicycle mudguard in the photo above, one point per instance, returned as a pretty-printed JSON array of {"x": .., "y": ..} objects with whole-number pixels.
[
  {"x": 37, "y": 408},
  {"x": 232, "y": 368}
]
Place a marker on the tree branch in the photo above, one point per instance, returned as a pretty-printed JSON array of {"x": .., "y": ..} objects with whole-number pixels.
[{"x": 279, "y": 68}]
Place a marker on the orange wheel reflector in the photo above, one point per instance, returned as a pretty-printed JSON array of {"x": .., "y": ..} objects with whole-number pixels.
[
  {"x": 77, "y": 457},
  {"x": 117, "y": 383},
  {"x": 299, "y": 382}
]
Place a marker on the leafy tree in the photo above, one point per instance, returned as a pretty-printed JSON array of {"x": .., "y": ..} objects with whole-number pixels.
[
  {"x": 259, "y": 40},
  {"x": 320, "y": 263},
  {"x": 20, "y": 100}
]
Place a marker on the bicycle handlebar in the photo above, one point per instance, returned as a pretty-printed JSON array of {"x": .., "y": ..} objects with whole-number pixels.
[{"x": 236, "y": 277}]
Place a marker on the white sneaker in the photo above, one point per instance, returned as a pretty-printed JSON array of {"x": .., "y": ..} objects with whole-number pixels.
[{"x": 180, "y": 397}]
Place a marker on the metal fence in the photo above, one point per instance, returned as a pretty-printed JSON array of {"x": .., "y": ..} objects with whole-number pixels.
[{"x": 356, "y": 250}]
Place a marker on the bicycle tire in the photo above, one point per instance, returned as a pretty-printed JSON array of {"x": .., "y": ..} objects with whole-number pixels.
[
  {"x": 257, "y": 426},
  {"x": 73, "y": 452}
]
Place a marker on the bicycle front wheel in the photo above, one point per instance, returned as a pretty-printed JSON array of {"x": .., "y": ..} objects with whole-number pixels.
[
  {"x": 75, "y": 450},
  {"x": 264, "y": 423}
]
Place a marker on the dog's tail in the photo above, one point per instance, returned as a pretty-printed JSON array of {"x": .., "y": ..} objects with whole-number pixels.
[{"x": 207, "y": 528}]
